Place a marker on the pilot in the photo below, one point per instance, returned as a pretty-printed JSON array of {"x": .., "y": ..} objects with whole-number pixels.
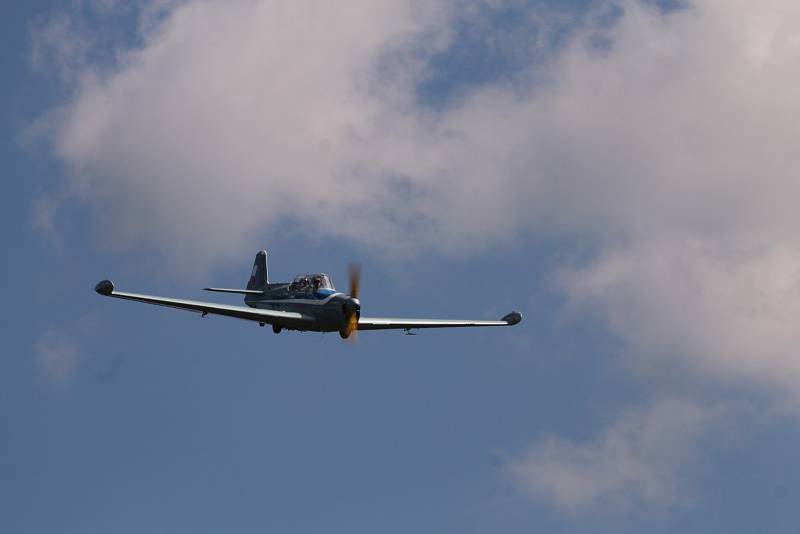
[
  {"x": 317, "y": 283},
  {"x": 301, "y": 284}
]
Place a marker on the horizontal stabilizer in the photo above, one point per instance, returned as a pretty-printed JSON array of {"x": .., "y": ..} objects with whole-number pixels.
[{"x": 239, "y": 291}]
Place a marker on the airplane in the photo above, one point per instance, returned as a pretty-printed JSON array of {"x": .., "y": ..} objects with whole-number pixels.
[{"x": 308, "y": 303}]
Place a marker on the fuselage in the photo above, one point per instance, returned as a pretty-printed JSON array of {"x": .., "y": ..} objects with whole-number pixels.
[{"x": 326, "y": 305}]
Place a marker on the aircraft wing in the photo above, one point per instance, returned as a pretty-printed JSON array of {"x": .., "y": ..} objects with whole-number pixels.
[
  {"x": 283, "y": 318},
  {"x": 381, "y": 323}
]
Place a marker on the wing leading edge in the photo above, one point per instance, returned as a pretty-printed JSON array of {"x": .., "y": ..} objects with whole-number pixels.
[
  {"x": 106, "y": 288},
  {"x": 381, "y": 323}
]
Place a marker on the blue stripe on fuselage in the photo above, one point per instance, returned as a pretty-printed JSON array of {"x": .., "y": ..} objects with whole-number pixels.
[{"x": 320, "y": 294}]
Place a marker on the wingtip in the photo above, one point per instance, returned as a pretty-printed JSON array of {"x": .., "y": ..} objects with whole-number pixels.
[
  {"x": 512, "y": 318},
  {"x": 106, "y": 287}
]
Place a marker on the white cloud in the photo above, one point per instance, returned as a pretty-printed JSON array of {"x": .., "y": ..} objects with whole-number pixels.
[
  {"x": 59, "y": 44},
  {"x": 43, "y": 219},
  {"x": 731, "y": 313},
  {"x": 636, "y": 465},
  {"x": 58, "y": 357},
  {"x": 63, "y": 350},
  {"x": 233, "y": 116}
]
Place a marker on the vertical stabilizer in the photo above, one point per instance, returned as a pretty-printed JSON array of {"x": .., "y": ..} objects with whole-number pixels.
[{"x": 259, "y": 277}]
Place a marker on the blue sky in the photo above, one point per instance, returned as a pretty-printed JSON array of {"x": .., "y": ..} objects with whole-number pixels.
[{"x": 590, "y": 164}]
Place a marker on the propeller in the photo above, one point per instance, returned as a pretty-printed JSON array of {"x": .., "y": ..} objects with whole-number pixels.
[
  {"x": 352, "y": 306},
  {"x": 354, "y": 272}
]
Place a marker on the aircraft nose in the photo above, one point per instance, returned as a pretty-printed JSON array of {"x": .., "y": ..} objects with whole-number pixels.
[{"x": 351, "y": 305}]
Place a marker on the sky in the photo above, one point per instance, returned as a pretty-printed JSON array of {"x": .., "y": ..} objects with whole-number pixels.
[{"x": 622, "y": 172}]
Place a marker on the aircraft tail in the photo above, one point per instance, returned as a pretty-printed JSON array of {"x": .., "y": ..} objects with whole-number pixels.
[{"x": 259, "y": 277}]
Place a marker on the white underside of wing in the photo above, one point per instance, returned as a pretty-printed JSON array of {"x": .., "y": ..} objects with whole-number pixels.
[
  {"x": 238, "y": 312},
  {"x": 384, "y": 323}
]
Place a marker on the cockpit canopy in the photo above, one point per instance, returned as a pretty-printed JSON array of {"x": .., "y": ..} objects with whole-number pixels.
[{"x": 310, "y": 282}]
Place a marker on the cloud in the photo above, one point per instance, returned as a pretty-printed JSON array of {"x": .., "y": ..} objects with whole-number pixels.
[
  {"x": 233, "y": 117},
  {"x": 636, "y": 465},
  {"x": 59, "y": 44},
  {"x": 62, "y": 351},
  {"x": 43, "y": 219},
  {"x": 58, "y": 357},
  {"x": 728, "y": 312},
  {"x": 230, "y": 119}
]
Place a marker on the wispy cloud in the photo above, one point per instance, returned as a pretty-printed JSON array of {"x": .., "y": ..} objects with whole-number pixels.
[
  {"x": 689, "y": 306},
  {"x": 679, "y": 124},
  {"x": 638, "y": 464},
  {"x": 58, "y": 357},
  {"x": 311, "y": 105},
  {"x": 63, "y": 350},
  {"x": 44, "y": 219},
  {"x": 60, "y": 45}
]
